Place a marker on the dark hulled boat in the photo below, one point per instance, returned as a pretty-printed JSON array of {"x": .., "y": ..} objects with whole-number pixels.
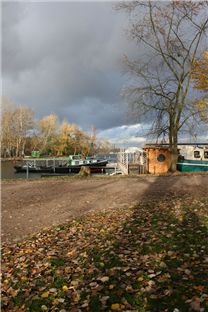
[{"x": 74, "y": 164}]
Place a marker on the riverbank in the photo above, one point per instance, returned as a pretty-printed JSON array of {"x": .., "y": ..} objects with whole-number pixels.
[{"x": 133, "y": 244}]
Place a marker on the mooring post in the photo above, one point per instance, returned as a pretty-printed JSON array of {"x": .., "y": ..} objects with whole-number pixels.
[
  {"x": 54, "y": 165},
  {"x": 27, "y": 171}
]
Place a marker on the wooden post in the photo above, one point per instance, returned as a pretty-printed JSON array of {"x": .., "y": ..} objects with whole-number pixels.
[
  {"x": 54, "y": 166},
  {"x": 27, "y": 171}
]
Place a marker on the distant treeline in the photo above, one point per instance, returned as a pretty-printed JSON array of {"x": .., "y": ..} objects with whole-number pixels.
[{"x": 21, "y": 134}]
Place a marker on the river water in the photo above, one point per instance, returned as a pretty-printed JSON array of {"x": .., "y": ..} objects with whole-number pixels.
[{"x": 8, "y": 171}]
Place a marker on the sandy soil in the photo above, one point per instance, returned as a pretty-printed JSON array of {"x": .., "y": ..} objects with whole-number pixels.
[{"x": 29, "y": 206}]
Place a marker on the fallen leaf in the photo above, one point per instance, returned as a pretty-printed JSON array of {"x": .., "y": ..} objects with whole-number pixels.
[
  {"x": 65, "y": 288},
  {"x": 195, "y": 304},
  {"x": 104, "y": 279},
  {"x": 115, "y": 306},
  {"x": 140, "y": 279},
  {"x": 45, "y": 294}
]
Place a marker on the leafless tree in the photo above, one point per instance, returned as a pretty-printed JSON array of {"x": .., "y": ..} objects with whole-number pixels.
[
  {"x": 16, "y": 123},
  {"x": 23, "y": 122},
  {"x": 170, "y": 34}
]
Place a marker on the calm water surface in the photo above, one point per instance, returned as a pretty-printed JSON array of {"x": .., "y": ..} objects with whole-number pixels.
[{"x": 8, "y": 171}]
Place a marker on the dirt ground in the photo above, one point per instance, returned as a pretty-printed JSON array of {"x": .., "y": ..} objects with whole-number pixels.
[{"x": 29, "y": 206}]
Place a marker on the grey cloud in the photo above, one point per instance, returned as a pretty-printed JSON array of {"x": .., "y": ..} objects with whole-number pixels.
[
  {"x": 125, "y": 136},
  {"x": 57, "y": 56}
]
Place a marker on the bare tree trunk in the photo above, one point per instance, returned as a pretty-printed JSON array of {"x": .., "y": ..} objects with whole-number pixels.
[
  {"x": 17, "y": 149},
  {"x": 174, "y": 151},
  {"x": 9, "y": 151},
  {"x": 174, "y": 159},
  {"x": 23, "y": 149}
]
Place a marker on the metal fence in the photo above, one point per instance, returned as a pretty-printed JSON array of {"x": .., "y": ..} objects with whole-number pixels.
[{"x": 138, "y": 161}]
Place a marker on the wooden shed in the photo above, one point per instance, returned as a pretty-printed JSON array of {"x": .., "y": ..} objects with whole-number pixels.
[{"x": 158, "y": 158}]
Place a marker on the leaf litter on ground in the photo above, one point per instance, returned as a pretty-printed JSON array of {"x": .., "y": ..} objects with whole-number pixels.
[{"x": 152, "y": 257}]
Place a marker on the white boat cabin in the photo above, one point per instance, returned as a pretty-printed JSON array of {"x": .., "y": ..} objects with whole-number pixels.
[
  {"x": 194, "y": 152},
  {"x": 77, "y": 160}
]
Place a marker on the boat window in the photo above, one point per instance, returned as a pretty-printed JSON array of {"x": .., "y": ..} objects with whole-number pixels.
[
  {"x": 77, "y": 162},
  {"x": 197, "y": 154},
  {"x": 206, "y": 154}
]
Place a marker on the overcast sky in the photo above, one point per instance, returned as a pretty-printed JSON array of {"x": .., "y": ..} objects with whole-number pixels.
[{"x": 66, "y": 58}]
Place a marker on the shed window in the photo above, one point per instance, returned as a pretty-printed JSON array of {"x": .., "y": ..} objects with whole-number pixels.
[
  {"x": 196, "y": 154},
  {"x": 161, "y": 158},
  {"x": 206, "y": 154}
]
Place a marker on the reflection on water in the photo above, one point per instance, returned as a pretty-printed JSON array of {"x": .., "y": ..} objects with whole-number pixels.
[{"x": 8, "y": 171}]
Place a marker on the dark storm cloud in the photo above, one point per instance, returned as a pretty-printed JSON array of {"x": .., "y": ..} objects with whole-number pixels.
[{"x": 66, "y": 58}]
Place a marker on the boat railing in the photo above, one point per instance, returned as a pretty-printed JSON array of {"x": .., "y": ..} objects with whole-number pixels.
[{"x": 45, "y": 162}]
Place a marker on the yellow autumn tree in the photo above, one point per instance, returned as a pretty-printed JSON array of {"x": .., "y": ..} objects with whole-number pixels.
[
  {"x": 200, "y": 78},
  {"x": 65, "y": 145},
  {"x": 200, "y": 73},
  {"x": 48, "y": 133},
  {"x": 73, "y": 140},
  {"x": 80, "y": 141}
]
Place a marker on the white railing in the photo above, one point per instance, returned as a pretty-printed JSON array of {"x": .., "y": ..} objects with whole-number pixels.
[{"x": 125, "y": 160}]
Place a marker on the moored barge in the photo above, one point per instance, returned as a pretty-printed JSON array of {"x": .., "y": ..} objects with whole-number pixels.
[{"x": 72, "y": 164}]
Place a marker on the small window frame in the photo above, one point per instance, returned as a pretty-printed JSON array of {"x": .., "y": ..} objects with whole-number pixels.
[
  {"x": 161, "y": 158},
  {"x": 197, "y": 154},
  {"x": 205, "y": 154}
]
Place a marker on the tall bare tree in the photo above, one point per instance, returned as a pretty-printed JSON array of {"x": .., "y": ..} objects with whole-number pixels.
[
  {"x": 23, "y": 121},
  {"x": 93, "y": 140},
  {"x": 7, "y": 135},
  {"x": 170, "y": 34},
  {"x": 15, "y": 125}
]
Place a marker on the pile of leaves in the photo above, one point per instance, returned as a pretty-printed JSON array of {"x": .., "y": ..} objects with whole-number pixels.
[{"x": 152, "y": 257}]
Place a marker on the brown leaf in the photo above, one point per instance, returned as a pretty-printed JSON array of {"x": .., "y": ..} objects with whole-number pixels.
[{"x": 195, "y": 304}]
